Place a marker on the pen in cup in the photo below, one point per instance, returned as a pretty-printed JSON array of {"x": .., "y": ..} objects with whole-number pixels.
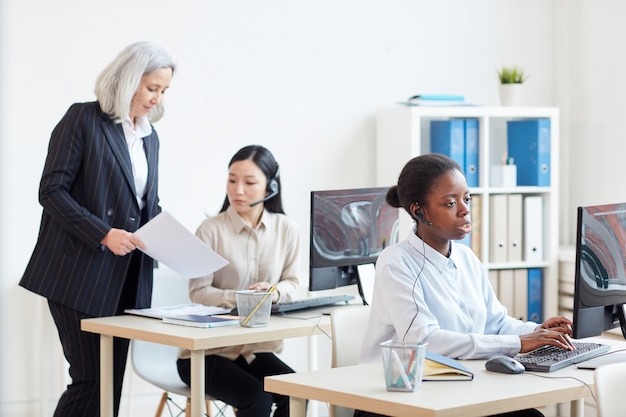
[
  {"x": 258, "y": 305},
  {"x": 401, "y": 370}
]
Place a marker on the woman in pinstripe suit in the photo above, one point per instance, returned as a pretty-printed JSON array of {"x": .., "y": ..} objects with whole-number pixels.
[{"x": 99, "y": 185}]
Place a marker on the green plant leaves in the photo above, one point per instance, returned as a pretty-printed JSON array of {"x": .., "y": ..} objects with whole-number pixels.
[{"x": 512, "y": 75}]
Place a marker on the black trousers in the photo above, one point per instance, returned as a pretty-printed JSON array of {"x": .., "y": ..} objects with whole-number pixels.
[
  {"x": 240, "y": 384},
  {"x": 82, "y": 351},
  {"x": 531, "y": 412}
]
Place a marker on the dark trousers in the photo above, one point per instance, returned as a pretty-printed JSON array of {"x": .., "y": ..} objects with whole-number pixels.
[
  {"x": 240, "y": 384},
  {"x": 82, "y": 351},
  {"x": 531, "y": 412}
]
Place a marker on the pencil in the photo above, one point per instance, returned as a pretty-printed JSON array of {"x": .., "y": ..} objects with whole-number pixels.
[{"x": 258, "y": 305}]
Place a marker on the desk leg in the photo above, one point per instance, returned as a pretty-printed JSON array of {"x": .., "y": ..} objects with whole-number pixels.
[
  {"x": 106, "y": 376},
  {"x": 577, "y": 408},
  {"x": 197, "y": 383},
  {"x": 297, "y": 407}
]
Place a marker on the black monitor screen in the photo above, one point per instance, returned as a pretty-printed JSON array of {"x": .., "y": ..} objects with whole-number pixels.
[
  {"x": 600, "y": 281},
  {"x": 348, "y": 228}
]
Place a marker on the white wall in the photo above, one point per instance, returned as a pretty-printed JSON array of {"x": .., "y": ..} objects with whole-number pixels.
[
  {"x": 303, "y": 78},
  {"x": 592, "y": 99}
]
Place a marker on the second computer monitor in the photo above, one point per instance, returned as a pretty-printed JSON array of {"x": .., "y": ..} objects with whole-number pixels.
[
  {"x": 600, "y": 280},
  {"x": 348, "y": 228}
]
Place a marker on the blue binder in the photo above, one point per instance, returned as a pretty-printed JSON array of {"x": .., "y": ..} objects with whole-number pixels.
[
  {"x": 471, "y": 152},
  {"x": 535, "y": 294},
  {"x": 529, "y": 146},
  {"x": 447, "y": 137}
]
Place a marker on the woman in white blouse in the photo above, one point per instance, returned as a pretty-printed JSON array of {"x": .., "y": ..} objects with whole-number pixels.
[{"x": 429, "y": 288}]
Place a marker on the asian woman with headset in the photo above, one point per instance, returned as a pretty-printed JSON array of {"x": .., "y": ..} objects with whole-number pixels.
[{"x": 262, "y": 246}]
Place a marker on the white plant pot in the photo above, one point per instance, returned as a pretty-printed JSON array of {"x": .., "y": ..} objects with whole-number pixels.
[{"x": 511, "y": 94}]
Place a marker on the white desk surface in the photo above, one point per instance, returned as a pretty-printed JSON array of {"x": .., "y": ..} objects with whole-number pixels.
[
  {"x": 304, "y": 323},
  {"x": 363, "y": 387},
  {"x": 197, "y": 340}
]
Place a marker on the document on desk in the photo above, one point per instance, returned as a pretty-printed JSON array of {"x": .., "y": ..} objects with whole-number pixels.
[{"x": 168, "y": 241}]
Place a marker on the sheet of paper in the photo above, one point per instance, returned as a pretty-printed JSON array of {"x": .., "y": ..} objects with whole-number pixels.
[
  {"x": 176, "y": 310},
  {"x": 168, "y": 241}
]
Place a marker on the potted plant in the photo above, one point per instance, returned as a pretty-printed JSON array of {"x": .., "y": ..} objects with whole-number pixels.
[{"x": 511, "y": 85}]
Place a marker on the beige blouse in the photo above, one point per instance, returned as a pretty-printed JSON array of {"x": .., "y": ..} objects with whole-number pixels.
[{"x": 268, "y": 253}]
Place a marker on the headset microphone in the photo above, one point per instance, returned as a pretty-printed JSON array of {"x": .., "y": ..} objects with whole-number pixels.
[
  {"x": 272, "y": 194},
  {"x": 423, "y": 220},
  {"x": 420, "y": 217},
  {"x": 272, "y": 187}
]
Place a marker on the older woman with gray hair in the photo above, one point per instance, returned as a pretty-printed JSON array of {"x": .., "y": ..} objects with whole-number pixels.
[{"x": 99, "y": 185}]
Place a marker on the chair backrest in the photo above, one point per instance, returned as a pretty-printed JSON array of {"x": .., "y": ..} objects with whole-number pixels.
[
  {"x": 348, "y": 327},
  {"x": 154, "y": 362},
  {"x": 609, "y": 381}
]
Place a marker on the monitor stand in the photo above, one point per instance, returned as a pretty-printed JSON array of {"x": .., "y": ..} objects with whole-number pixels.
[
  {"x": 621, "y": 313},
  {"x": 365, "y": 282}
]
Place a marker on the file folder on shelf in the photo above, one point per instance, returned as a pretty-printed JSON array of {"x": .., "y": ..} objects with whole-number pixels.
[
  {"x": 533, "y": 228},
  {"x": 520, "y": 284},
  {"x": 498, "y": 229},
  {"x": 535, "y": 295},
  {"x": 514, "y": 235},
  {"x": 470, "y": 166},
  {"x": 447, "y": 137},
  {"x": 476, "y": 235},
  {"x": 529, "y": 145}
]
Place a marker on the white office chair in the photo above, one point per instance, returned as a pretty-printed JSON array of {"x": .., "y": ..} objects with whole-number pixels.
[
  {"x": 609, "y": 381},
  {"x": 348, "y": 327},
  {"x": 156, "y": 363}
]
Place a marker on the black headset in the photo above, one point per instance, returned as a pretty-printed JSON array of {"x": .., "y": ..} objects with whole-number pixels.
[
  {"x": 418, "y": 215},
  {"x": 272, "y": 187}
]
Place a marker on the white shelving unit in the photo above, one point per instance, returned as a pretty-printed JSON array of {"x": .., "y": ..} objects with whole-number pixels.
[{"x": 404, "y": 132}]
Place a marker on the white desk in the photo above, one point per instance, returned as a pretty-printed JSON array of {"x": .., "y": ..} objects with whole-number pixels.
[
  {"x": 194, "y": 339},
  {"x": 363, "y": 387}
]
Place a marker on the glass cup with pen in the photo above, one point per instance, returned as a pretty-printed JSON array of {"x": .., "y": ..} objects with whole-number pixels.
[
  {"x": 403, "y": 363},
  {"x": 254, "y": 307}
]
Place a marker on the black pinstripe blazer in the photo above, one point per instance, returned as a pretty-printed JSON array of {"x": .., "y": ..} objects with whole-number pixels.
[{"x": 86, "y": 189}]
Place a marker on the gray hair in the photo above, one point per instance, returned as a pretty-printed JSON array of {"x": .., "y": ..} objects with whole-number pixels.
[{"x": 118, "y": 82}]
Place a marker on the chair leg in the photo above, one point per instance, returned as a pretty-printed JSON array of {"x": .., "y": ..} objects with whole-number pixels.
[
  {"x": 188, "y": 408},
  {"x": 208, "y": 408},
  {"x": 159, "y": 411}
]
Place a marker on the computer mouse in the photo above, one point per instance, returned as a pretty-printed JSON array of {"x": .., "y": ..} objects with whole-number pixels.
[{"x": 504, "y": 365}]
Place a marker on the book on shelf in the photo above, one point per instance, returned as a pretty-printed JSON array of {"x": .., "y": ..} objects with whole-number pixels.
[
  {"x": 441, "y": 368},
  {"x": 199, "y": 320},
  {"x": 177, "y": 309},
  {"x": 436, "y": 100}
]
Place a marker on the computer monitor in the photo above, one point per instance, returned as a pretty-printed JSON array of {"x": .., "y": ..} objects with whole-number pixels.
[
  {"x": 600, "y": 280},
  {"x": 349, "y": 228}
]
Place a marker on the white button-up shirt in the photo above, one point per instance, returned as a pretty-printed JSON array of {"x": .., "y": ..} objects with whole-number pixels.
[{"x": 423, "y": 296}]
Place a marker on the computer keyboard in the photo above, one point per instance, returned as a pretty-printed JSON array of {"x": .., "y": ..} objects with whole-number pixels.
[
  {"x": 310, "y": 302},
  {"x": 550, "y": 358}
]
